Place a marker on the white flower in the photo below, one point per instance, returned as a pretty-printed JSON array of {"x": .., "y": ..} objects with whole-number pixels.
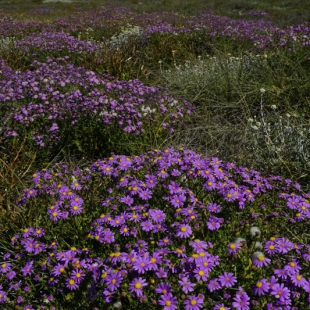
[
  {"x": 273, "y": 107},
  {"x": 255, "y": 231},
  {"x": 240, "y": 241},
  {"x": 262, "y": 90},
  {"x": 258, "y": 245},
  {"x": 117, "y": 305},
  {"x": 257, "y": 254}
]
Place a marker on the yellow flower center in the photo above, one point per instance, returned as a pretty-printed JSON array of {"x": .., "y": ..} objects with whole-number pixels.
[
  {"x": 193, "y": 302},
  {"x": 201, "y": 273},
  {"x": 232, "y": 246},
  {"x": 167, "y": 303},
  {"x": 71, "y": 281},
  {"x": 183, "y": 229},
  {"x": 138, "y": 285},
  {"x": 259, "y": 284},
  {"x": 153, "y": 260}
]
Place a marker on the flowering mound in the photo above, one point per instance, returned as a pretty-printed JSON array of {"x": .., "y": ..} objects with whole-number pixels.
[
  {"x": 60, "y": 105},
  {"x": 54, "y": 42},
  {"x": 167, "y": 228}
]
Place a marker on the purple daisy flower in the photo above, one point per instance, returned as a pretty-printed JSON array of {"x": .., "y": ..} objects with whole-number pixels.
[
  {"x": 145, "y": 194},
  {"x": 38, "y": 232},
  {"x": 156, "y": 215},
  {"x": 168, "y": 301},
  {"x": 186, "y": 285},
  {"x": 141, "y": 264},
  {"x": 161, "y": 273},
  {"x": 178, "y": 200},
  {"x": 146, "y": 226},
  {"x": 27, "y": 232},
  {"x": 78, "y": 275},
  {"x": 76, "y": 209},
  {"x": 227, "y": 279},
  {"x": 292, "y": 268},
  {"x": 201, "y": 273},
  {"x": 241, "y": 300},
  {"x": 259, "y": 259},
  {"x": 3, "y": 297},
  {"x": 71, "y": 284},
  {"x": 163, "y": 288},
  {"x": 213, "y": 223},
  {"x": 261, "y": 287},
  {"x": 213, "y": 285},
  {"x": 298, "y": 280},
  {"x": 281, "y": 292},
  {"x": 27, "y": 269},
  {"x": 193, "y": 303},
  {"x": 284, "y": 245},
  {"x": 5, "y": 267},
  {"x": 184, "y": 231},
  {"x": 136, "y": 286},
  {"x": 113, "y": 281},
  {"x": 233, "y": 248}
]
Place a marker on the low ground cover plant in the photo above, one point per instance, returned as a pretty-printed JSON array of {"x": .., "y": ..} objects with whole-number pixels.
[
  {"x": 60, "y": 106},
  {"x": 165, "y": 230},
  {"x": 168, "y": 228}
]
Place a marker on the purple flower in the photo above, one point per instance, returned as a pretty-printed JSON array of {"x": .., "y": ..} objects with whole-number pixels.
[
  {"x": 113, "y": 281},
  {"x": 168, "y": 301},
  {"x": 5, "y": 267},
  {"x": 213, "y": 285},
  {"x": 27, "y": 269},
  {"x": 193, "y": 303},
  {"x": 186, "y": 285},
  {"x": 241, "y": 300},
  {"x": 163, "y": 288},
  {"x": 161, "y": 273},
  {"x": 227, "y": 279},
  {"x": 281, "y": 292},
  {"x": 259, "y": 259},
  {"x": 201, "y": 273},
  {"x": 298, "y": 280},
  {"x": 233, "y": 248},
  {"x": 178, "y": 200},
  {"x": 284, "y": 245},
  {"x": 136, "y": 286},
  {"x": 184, "y": 231},
  {"x": 261, "y": 287},
  {"x": 213, "y": 223},
  {"x": 145, "y": 194},
  {"x": 78, "y": 275},
  {"x": 76, "y": 209},
  {"x": 141, "y": 264},
  {"x": 3, "y": 296},
  {"x": 72, "y": 284}
]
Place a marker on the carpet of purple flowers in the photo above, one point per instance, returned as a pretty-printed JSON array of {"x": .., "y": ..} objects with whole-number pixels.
[
  {"x": 168, "y": 227},
  {"x": 162, "y": 229}
]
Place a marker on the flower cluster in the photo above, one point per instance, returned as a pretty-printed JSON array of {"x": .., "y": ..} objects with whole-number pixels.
[
  {"x": 158, "y": 228},
  {"x": 52, "y": 100},
  {"x": 54, "y": 42}
]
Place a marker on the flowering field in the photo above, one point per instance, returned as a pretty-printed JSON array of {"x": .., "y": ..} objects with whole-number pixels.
[{"x": 153, "y": 160}]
